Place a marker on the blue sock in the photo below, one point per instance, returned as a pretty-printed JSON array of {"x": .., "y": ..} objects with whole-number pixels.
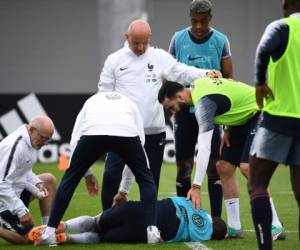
[
  {"x": 183, "y": 186},
  {"x": 215, "y": 196}
]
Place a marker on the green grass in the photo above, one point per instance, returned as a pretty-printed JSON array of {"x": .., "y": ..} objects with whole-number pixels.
[{"x": 280, "y": 187}]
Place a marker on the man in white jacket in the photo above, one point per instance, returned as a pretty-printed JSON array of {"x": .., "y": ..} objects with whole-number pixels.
[
  {"x": 108, "y": 122},
  {"x": 17, "y": 181},
  {"x": 137, "y": 70}
]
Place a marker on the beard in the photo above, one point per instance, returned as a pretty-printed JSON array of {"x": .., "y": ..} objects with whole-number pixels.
[{"x": 182, "y": 107}]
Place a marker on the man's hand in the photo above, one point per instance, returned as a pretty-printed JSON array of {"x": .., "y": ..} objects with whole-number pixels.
[
  {"x": 194, "y": 194},
  {"x": 120, "y": 198},
  {"x": 91, "y": 185},
  {"x": 225, "y": 140},
  {"x": 263, "y": 91},
  {"x": 43, "y": 189},
  {"x": 214, "y": 74},
  {"x": 26, "y": 219}
]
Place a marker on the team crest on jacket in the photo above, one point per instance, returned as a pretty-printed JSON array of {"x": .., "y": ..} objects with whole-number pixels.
[
  {"x": 198, "y": 220},
  {"x": 150, "y": 66},
  {"x": 113, "y": 96}
]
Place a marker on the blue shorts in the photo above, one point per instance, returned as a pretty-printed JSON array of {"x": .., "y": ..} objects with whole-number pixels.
[
  {"x": 241, "y": 138},
  {"x": 186, "y": 136}
]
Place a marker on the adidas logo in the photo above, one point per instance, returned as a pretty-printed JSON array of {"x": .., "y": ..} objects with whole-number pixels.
[{"x": 27, "y": 108}]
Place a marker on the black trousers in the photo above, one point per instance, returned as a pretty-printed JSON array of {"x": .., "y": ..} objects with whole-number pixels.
[
  {"x": 126, "y": 223},
  {"x": 87, "y": 151},
  {"x": 114, "y": 165}
]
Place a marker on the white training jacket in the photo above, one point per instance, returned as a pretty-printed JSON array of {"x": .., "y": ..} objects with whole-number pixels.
[
  {"x": 17, "y": 157},
  {"x": 140, "y": 78},
  {"x": 108, "y": 113}
]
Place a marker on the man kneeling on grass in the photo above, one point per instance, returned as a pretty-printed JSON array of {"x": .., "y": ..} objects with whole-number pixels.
[{"x": 176, "y": 217}]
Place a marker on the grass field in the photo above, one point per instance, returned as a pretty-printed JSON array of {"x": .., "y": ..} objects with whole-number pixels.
[{"x": 280, "y": 187}]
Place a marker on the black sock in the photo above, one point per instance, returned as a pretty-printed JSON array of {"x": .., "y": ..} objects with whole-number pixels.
[
  {"x": 262, "y": 219},
  {"x": 183, "y": 186},
  {"x": 215, "y": 196}
]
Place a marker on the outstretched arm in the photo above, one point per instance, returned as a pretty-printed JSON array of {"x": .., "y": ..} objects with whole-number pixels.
[{"x": 205, "y": 112}]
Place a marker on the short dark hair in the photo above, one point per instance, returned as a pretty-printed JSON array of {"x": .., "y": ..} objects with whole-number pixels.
[
  {"x": 200, "y": 7},
  {"x": 169, "y": 90},
  {"x": 219, "y": 228},
  {"x": 289, "y": 3}
]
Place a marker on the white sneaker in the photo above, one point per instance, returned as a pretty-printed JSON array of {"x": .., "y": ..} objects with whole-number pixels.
[
  {"x": 46, "y": 240},
  {"x": 153, "y": 235}
]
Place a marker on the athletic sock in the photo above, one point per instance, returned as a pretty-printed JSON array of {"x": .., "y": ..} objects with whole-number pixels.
[
  {"x": 275, "y": 219},
  {"x": 183, "y": 186},
  {"x": 215, "y": 196},
  {"x": 85, "y": 238},
  {"x": 81, "y": 224},
  {"x": 49, "y": 230},
  {"x": 262, "y": 219},
  {"x": 45, "y": 220},
  {"x": 233, "y": 213}
]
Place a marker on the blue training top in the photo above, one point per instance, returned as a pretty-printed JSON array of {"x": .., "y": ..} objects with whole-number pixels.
[
  {"x": 195, "y": 225},
  {"x": 205, "y": 55}
]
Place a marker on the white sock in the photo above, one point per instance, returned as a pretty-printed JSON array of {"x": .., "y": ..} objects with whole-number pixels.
[
  {"x": 49, "y": 230},
  {"x": 275, "y": 219},
  {"x": 233, "y": 213},
  {"x": 152, "y": 227},
  {"x": 87, "y": 238},
  {"x": 81, "y": 224},
  {"x": 45, "y": 220}
]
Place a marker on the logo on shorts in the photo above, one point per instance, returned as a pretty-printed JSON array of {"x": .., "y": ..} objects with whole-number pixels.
[{"x": 198, "y": 220}]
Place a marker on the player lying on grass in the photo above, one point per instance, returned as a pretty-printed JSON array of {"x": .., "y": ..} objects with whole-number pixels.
[{"x": 177, "y": 220}]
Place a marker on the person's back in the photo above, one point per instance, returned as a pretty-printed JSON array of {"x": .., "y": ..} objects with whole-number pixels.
[
  {"x": 240, "y": 96},
  {"x": 112, "y": 113},
  {"x": 286, "y": 99},
  {"x": 195, "y": 224},
  {"x": 108, "y": 113}
]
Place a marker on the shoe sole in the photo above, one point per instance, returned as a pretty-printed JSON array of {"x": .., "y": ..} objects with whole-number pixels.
[
  {"x": 36, "y": 233},
  {"x": 279, "y": 236}
]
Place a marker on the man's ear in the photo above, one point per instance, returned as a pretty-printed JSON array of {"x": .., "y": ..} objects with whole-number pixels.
[
  {"x": 180, "y": 96},
  {"x": 30, "y": 129}
]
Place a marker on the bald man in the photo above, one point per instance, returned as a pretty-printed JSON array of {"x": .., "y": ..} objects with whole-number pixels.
[
  {"x": 18, "y": 184},
  {"x": 137, "y": 70}
]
